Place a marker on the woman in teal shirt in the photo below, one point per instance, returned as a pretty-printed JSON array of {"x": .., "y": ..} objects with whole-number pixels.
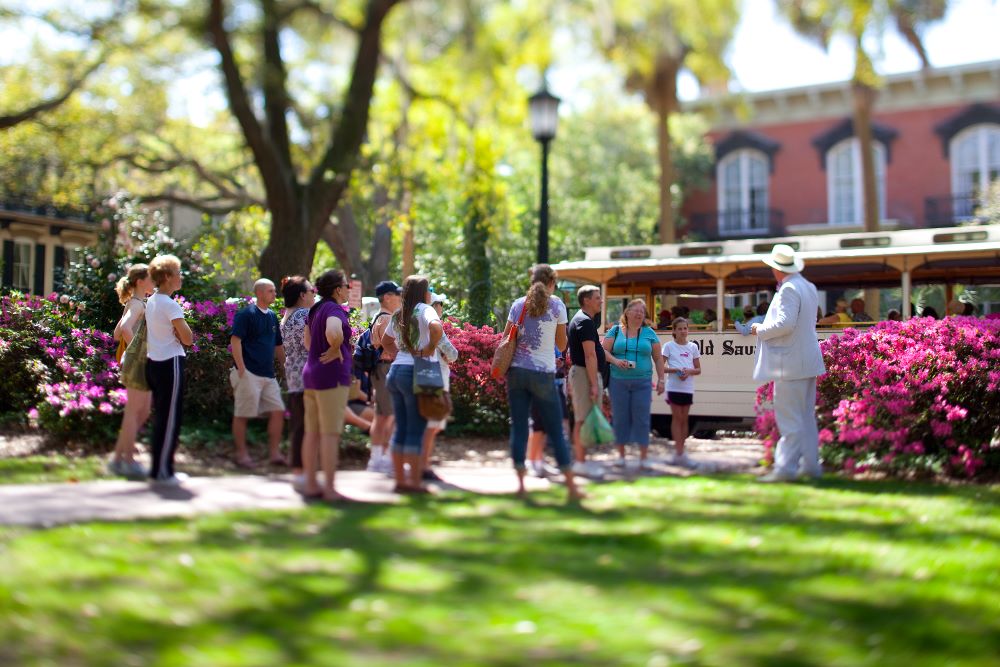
[{"x": 633, "y": 350}]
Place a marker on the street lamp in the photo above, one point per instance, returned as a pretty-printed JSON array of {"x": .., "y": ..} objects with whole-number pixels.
[{"x": 543, "y": 109}]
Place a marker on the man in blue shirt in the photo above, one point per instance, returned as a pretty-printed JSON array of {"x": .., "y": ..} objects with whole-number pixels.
[{"x": 256, "y": 342}]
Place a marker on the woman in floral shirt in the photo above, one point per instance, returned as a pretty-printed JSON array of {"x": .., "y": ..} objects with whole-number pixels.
[{"x": 299, "y": 295}]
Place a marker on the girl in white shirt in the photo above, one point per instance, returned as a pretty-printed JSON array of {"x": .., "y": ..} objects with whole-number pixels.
[
  {"x": 683, "y": 363},
  {"x": 166, "y": 335}
]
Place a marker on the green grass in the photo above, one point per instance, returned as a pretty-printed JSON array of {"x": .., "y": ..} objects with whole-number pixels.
[
  {"x": 40, "y": 468},
  {"x": 661, "y": 572}
]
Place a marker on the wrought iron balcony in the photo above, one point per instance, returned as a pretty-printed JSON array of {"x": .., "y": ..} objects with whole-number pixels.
[
  {"x": 948, "y": 210},
  {"x": 33, "y": 207},
  {"x": 738, "y": 223}
]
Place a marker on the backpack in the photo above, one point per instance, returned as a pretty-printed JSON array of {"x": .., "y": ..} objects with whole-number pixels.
[{"x": 366, "y": 355}]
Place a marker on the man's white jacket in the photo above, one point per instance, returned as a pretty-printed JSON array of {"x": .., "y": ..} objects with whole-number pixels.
[{"x": 787, "y": 348}]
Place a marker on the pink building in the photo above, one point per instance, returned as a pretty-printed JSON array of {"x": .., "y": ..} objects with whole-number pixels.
[{"x": 788, "y": 161}]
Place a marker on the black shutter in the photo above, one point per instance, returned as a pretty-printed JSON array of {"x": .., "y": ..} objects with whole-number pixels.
[
  {"x": 8, "y": 263},
  {"x": 59, "y": 269},
  {"x": 39, "y": 269}
]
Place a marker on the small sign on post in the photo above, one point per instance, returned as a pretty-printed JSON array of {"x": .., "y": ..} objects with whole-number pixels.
[{"x": 354, "y": 292}]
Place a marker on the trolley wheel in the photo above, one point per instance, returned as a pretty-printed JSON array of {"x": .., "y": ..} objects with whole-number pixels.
[{"x": 661, "y": 425}]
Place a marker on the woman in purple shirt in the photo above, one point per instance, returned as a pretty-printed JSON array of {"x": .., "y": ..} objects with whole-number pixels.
[{"x": 327, "y": 380}]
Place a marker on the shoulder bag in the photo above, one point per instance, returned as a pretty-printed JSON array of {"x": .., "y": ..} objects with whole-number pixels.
[
  {"x": 504, "y": 354},
  {"x": 133, "y": 368}
]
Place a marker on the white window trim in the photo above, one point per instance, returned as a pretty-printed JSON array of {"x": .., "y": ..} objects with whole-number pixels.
[
  {"x": 743, "y": 155},
  {"x": 859, "y": 186},
  {"x": 982, "y": 129},
  {"x": 21, "y": 240}
]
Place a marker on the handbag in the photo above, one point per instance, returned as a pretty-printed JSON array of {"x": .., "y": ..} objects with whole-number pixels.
[
  {"x": 120, "y": 352},
  {"x": 133, "y": 368},
  {"x": 427, "y": 376},
  {"x": 434, "y": 407},
  {"x": 504, "y": 354}
]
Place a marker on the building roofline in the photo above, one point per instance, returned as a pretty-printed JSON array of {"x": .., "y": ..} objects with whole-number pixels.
[{"x": 944, "y": 86}]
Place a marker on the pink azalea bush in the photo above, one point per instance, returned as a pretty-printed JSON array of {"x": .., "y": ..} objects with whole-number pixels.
[
  {"x": 916, "y": 397},
  {"x": 480, "y": 402},
  {"x": 57, "y": 372},
  {"x": 62, "y": 375}
]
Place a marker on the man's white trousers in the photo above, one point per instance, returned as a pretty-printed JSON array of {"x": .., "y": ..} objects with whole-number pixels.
[{"x": 795, "y": 412}]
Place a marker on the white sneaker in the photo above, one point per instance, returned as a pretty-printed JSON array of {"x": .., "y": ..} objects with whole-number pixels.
[
  {"x": 535, "y": 469},
  {"x": 595, "y": 470},
  {"x": 550, "y": 470},
  {"x": 375, "y": 459},
  {"x": 175, "y": 480},
  {"x": 645, "y": 464},
  {"x": 776, "y": 476},
  {"x": 620, "y": 462},
  {"x": 135, "y": 470},
  {"x": 299, "y": 481},
  {"x": 684, "y": 462},
  {"x": 385, "y": 466},
  {"x": 580, "y": 468}
]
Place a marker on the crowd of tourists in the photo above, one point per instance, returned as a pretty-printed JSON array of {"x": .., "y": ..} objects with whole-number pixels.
[{"x": 557, "y": 369}]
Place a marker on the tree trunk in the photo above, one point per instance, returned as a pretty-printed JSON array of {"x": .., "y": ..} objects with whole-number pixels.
[
  {"x": 864, "y": 102},
  {"x": 290, "y": 248},
  {"x": 409, "y": 248},
  {"x": 381, "y": 255},
  {"x": 477, "y": 234},
  {"x": 664, "y": 98}
]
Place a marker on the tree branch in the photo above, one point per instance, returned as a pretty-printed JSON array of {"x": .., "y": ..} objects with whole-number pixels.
[
  {"x": 274, "y": 79},
  {"x": 10, "y": 120},
  {"x": 277, "y": 182},
  {"x": 203, "y": 205},
  {"x": 320, "y": 13},
  {"x": 330, "y": 176}
]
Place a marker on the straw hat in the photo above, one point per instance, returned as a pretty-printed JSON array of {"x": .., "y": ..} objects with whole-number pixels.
[{"x": 784, "y": 259}]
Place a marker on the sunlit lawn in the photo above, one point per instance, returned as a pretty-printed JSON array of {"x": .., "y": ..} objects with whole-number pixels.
[
  {"x": 661, "y": 572},
  {"x": 41, "y": 468}
]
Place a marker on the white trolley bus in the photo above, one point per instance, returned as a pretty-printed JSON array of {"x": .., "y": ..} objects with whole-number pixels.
[{"x": 889, "y": 268}]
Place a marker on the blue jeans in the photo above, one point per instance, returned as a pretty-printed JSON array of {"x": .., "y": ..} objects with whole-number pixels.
[
  {"x": 631, "y": 401},
  {"x": 409, "y": 435},
  {"x": 524, "y": 389}
]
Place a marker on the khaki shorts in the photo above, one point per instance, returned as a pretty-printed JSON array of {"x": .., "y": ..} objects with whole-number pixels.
[
  {"x": 380, "y": 392},
  {"x": 325, "y": 410},
  {"x": 580, "y": 386},
  {"x": 255, "y": 395}
]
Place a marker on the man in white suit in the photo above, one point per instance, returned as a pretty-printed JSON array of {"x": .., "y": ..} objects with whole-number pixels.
[{"x": 789, "y": 354}]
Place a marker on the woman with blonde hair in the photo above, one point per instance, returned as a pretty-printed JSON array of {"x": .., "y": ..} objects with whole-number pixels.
[
  {"x": 167, "y": 333},
  {"x": 531, "y": 379},
  {"x": 633, "y": 350},
  {"x": 132, "y": 289}
]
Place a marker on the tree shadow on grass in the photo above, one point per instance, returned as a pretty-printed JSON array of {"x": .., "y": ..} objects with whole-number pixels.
[{"x": 744, "y": 601}]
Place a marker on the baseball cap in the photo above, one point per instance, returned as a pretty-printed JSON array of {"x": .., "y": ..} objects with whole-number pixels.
[
  {"x": 387, "y": 287},
  {"x": 438, "y": 298}
]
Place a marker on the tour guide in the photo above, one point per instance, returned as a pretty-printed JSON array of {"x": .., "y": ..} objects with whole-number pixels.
[{"x": 789, "y": 354}]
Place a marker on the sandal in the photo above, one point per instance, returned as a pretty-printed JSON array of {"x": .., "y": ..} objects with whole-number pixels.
[
  {"x": 278, "y": 461},
  {"x": 335, "y": 499},
  {"x": 246, "y": 464}
]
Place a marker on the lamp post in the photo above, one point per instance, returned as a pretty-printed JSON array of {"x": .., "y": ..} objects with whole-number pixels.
[{"x": 543, "y": 109}]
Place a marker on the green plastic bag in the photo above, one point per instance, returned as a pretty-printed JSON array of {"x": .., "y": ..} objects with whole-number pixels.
[{"x": 596, "y": 430}]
